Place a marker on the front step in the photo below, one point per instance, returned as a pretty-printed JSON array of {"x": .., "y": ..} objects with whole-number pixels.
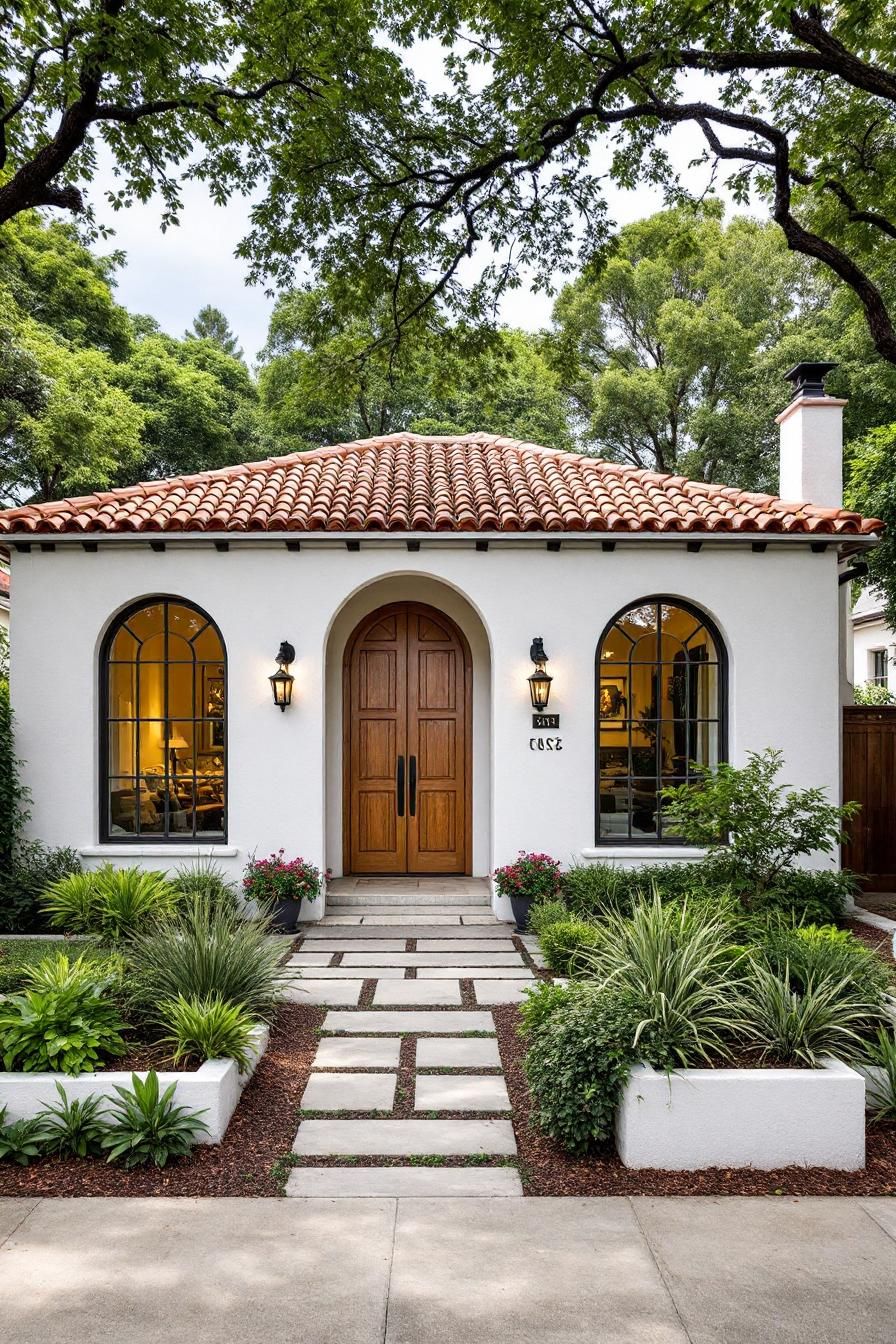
[
  {"x": 384, "y": 894},
  {"x": 404, "y": 1182}
]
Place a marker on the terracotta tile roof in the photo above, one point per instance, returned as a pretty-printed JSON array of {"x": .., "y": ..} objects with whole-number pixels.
[{"x": 410, "y": 483}]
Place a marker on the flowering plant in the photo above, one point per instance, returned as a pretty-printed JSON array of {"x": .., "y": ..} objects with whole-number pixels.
[
  {"x": 533, "y": 876},
  {"x": 276, "y": 879}
]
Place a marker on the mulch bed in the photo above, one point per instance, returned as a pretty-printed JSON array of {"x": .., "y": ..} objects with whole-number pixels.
[
  {"x": 260, "y": 1134},
  {"x": 878, "y": 939},
  {"x": 547, "y": 1169}
]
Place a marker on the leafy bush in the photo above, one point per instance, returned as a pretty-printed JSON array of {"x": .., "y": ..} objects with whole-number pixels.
[
  {"x": 56, "y": 971},
  {"x": 798, "y": 1027},
  {"x": 816, "y": 897},
  {"x": 540, "y": 1001},
  {"x": 74, "y": 1128},
  {"x": 145, "y": 1126},
  {"x": 21, "y": 1141},
  {"x": 578, "y": 1061},
  {"x": 110, "y": 902},
  {"x": 207, "y": 879},
  {"x": 67, "y": 1030},
  {"x": 32, "y": 868},
  {"x": 14, "y": 797},
  {"x": 270, "y": 880},
  {"x": 595, "y": 888},
  {"x": 545, "y": 913},
  {"x": 811, "y": 953},
  {"x": 882, "y": 1093},
  {"x": 208, "y": 1029},
  {"x": 678, "y": 968},
  {"x": 753, "y": 826},
  {"x": 533, "y": 876},
  {"x": 205, "y": 950},
  {"x": 872, "y": 693},
  {"x": 563, "y": 942}
]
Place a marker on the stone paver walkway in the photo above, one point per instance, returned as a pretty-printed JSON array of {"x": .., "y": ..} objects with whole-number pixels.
[{"x": 406, "y": 1095}]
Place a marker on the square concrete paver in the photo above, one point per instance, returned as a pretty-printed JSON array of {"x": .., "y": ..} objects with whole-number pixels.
[
  {"x": 310, "y": 958},
  {"x": 357, "y": 1052},
  {"x": 456, "y": 1275},
  {"x": 323, "y": 991},
  {"x": 404, "y": 1182},
  {"x": 410, "y": 993},
  {"x": 518, "y": 972},
  {"x": 460, "y": 1092},
  {"x": 501, "y": 991},
  {"x": 395, "y": 1024},
  {"x": 469, "y": 1052},
  {"x": 404, "y": 1138},
  {"x": 349, "y": 1092}
]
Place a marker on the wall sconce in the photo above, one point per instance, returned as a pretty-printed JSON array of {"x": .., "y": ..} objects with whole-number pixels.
[
  {"x": 282, "y": 680},
  {"x": 540, "y": 680}
]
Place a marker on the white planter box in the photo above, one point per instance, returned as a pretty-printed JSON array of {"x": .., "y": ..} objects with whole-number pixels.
[
  {"x": 215, "y": 1087},
  {"x": 764, "y": 1118}
]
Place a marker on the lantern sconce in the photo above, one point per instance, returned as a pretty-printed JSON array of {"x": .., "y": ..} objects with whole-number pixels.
[
  {"x": 282, "y": 680},
  {"x": 540, "y": 680}
]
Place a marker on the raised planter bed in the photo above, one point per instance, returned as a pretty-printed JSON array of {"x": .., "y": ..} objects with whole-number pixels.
[
  {"x": 215, "y": 1087},
  {"x": 694, "y": 1119}
]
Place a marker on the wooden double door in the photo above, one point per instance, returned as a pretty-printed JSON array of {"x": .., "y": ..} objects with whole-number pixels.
[{"x": 407, "y": 693}]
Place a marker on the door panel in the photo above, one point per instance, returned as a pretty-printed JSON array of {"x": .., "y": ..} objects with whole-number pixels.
[{"x": 407, "y": 703}]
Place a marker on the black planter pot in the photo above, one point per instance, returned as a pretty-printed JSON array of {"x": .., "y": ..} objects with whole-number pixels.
[
  {"x": 521, "y": 905},
  {"x": 284, "y": 915}
]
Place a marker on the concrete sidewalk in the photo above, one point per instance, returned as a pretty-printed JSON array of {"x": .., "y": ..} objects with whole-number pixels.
[{"x": 448, "y": 1271}]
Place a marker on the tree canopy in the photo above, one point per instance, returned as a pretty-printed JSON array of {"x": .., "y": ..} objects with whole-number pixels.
[{"x": 210, "y": 324}]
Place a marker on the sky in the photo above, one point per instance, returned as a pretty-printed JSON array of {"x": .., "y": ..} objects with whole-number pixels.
[{"x": 172, "y": 275}]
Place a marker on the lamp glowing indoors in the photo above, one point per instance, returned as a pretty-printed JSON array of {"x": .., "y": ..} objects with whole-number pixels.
[
  {"x": 282, "y": 680},
  {"x": 174, "y": 745},
  {"x": 540, "y": 680}
]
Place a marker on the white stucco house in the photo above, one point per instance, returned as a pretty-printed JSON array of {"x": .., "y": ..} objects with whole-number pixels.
[
  {"x": 873, "y": 642},
  {"x": 405, "y": 583}
]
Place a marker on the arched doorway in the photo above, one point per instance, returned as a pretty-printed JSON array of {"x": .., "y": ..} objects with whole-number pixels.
[{"x": 407, "y": 744}]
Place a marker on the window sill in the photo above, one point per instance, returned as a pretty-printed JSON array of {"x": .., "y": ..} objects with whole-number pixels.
[
  {"x": 636, "y": 851},
  {"x": 116, "y": 851}
]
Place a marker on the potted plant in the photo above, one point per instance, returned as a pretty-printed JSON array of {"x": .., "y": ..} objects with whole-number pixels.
[
  {"x": 278, "y": 886},
  {"x": 531, "y": 877}
]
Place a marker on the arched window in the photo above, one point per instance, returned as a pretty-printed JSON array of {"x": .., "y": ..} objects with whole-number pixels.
[
  {"x": 164, "y": 725},
  {"x": 660, "y": 695}
]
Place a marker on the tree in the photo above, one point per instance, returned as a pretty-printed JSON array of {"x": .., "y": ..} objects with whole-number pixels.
[
  {"x": 210, "y": 324},
  {"x": 329, "y": 375},
  {"x": 872, "y": 490}
]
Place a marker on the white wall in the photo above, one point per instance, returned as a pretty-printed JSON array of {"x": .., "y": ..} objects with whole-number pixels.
[
  {"x": 865, "y": 638},
  {"x": 777, "y": 611}
]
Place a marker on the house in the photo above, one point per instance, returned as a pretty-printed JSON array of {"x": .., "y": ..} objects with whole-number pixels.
[
  {"x": 4, "y": 599},
  {"x": 873, "y": 643},
  {"x": 415, "y": 655}
]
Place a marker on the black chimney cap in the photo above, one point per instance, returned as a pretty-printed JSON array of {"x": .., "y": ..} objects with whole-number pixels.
[{"x": 808, "y": 379}]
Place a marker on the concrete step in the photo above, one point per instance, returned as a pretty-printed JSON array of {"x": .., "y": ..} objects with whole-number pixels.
[
  {"x": 447, "y": 899},
  {"x": 436, "y": 1022},
  {"x": 404, "y": 1138},
  {"x": 404, "y": 1182}
]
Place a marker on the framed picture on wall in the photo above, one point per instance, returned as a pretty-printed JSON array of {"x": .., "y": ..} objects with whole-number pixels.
[
  {"x": 213, "y": 707},
  {"x": 612, "y": 703}
]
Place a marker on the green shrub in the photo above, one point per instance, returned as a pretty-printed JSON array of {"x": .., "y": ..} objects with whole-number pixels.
[
  {"x": 67, "y": 1030},
  {"x": 578, "y": 1061},
  {"x": 32, "y": 868},
  {"x": 678, "y": 968},
  {"x": 545, "y": 913},
  {"x": 753, "y": 826},
  {"x": 205, "y": 950},
  {"x": 22, "y": 1141},
  {"x": 206, "y": 879},
  {"x": 563, "y": 942},
  {"x": 800, "y": 1025},
  {"x": 882, "y": 1093},
  {"x": 110, "y": 902},
  {"x": 56, "y": 971},
  {"x": 208, "y": 1029},
  {"x": 811, "y": 953},
  {"x": 808, "y": 896},
  {"x": 14, "y": 797},
  {"x": 145, "y": 1126},
  {"x": 74, "y": 1128},
  {"x": 540, "y": 1001}
]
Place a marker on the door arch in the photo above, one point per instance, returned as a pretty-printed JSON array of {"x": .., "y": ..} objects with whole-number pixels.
[{"x": 407, "y": 744}]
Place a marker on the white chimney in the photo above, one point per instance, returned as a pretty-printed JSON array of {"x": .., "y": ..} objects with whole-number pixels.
[{"x": 812, "y": 440}]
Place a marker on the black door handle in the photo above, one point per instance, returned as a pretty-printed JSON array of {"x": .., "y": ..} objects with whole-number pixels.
[
  {"x": 399, "y": 785},
  {"x": 413, "y": 803}
]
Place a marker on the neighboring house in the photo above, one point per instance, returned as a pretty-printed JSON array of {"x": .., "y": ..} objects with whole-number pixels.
[
  {"x": 4, "y": 599},
  {"x": 873, "y": 643},
  {"x": 428, "y": 587}
]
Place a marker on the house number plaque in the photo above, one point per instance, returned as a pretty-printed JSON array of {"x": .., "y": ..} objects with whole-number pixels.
[
  {"x": 545, "y": 743},
  {"x": 545, "y": 720}
]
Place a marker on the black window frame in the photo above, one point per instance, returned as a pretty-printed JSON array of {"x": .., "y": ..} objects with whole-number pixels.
[
  {"x": 166, "y": 836},
  {"x": 657, "y": 600},
  {"x": 880, "y": 667}
]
